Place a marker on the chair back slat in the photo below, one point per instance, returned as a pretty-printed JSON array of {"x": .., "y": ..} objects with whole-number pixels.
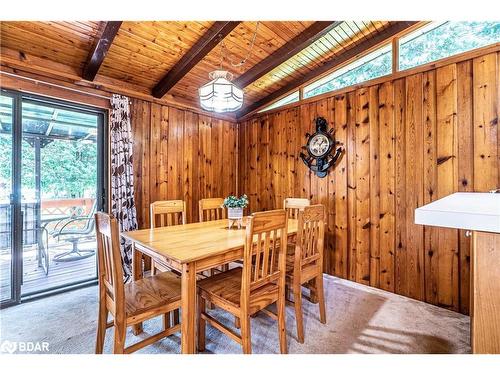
[
  {"x": 109, "y": 259},
  {"x": 266, "y": 239},
  {"x": 211, "y": 209},
  {"x": 272, "y": 251},
  {"x": 310, "y": 236},
  {"x": 294, "y": 205},
  {"x": 167, "y": 213},
  {"x": 266, "y": 256}
]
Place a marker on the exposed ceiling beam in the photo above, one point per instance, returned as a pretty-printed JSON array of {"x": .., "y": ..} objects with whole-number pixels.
[
  {"x": 289, "y": 49},
  {"x": 25, "y": 72},
  {"x": 218, "y": 31},
  {"x": 101, "y": 47},
  {"x": 340, "y": 59}
]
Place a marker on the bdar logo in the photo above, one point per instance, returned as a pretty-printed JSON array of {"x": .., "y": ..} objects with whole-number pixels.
[
  {"x": 8, "y": 347},
  {"x": 24, "y": 346}
]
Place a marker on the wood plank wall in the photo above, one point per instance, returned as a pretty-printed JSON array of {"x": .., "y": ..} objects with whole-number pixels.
[
  {"x": 179, "y": 154},
  {"x": 408, "y": 142}
]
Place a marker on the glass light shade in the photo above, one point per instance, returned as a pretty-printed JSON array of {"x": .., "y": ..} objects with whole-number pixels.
[{"x": 220, "y": 94}]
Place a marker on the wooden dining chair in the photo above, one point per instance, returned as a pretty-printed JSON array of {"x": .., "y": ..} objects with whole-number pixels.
[
  {"x": 294, "y": 205},
  {"x": 211, "y": 209},
  {"x": 162, "y": 214},
  {"x": 133, "y": 302},
  {"x": 244, "y": 291},
  {"x": 306, "y": 264},
  {"x": 166, "y": 213}
]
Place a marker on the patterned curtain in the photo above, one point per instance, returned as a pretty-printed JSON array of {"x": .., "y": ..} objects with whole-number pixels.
[{"x": 122, "y": 175}]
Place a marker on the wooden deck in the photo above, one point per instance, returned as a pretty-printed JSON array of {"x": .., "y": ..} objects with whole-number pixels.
[{"x": 60, "y": 273}]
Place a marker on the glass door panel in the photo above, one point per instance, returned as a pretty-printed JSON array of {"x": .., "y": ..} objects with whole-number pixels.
[
  {"x": 6, "y": 200},
  {"x": 59, "y": 195}
]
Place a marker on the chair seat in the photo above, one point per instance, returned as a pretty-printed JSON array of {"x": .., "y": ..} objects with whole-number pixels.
[
  {"x": 152, "y": 292},
  {"x": 227, "y": 286}
]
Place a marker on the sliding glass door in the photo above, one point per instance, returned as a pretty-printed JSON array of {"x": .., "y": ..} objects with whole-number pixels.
[{"x": 59, "y": 172}]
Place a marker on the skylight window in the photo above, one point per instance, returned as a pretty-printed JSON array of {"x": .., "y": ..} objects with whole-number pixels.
[
  {"x": 293, "y": 97},
  {"x": 373, "y": 65},
  {"x": 438, "y": 40}
]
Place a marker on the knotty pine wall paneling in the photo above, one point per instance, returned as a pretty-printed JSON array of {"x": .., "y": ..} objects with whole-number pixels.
[
  {"x": 179, "y": 154},
  {"x": 409, "y": 141}
]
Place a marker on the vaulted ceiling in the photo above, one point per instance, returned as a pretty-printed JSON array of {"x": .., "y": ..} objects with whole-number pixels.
[{"x": 174, "y": 58}]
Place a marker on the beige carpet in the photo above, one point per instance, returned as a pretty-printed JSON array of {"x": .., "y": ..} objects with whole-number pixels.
[{"x": 360, "y": 319}]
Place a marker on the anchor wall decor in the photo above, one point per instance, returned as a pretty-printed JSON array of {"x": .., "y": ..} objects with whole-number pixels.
[{"x": 322, "y": 150}]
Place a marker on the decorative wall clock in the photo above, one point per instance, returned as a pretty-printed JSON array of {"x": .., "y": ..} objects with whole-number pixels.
[{"x": 320, "y": 146}]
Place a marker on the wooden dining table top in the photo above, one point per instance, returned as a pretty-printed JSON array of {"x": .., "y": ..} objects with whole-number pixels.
[{"x": 191, "y": 242}]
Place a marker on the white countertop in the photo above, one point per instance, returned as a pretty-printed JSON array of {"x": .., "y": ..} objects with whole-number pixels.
[{"x": 471, "y": 211}]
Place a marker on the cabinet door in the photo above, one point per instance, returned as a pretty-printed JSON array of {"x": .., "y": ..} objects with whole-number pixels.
[{"x": 485, "y": 316}]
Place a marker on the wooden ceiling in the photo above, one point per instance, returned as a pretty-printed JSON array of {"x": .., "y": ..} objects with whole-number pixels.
[{"x": 140, "y": 54}]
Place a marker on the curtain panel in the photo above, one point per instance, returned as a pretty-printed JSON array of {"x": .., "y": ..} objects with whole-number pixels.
[{"x": 122, "y": 175}]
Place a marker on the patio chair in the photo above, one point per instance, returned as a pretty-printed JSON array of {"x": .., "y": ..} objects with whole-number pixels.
[{"x": 69, "y": 233}]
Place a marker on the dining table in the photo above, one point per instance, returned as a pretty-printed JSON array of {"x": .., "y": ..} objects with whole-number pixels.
[{"x": 190, "y": 249}]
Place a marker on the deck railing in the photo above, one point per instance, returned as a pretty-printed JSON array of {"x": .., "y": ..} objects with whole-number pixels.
[
  {"x": 34, "y": 216},
  {"x": 68, "y": 207}
]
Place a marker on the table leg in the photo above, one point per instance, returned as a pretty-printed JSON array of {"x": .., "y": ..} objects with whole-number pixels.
[
  {"x": 188, "y": 308},
  {"x": 137, "y": 275}
]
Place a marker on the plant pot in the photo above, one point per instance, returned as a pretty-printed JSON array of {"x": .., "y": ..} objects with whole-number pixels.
[{"x": 234, "y": 213}]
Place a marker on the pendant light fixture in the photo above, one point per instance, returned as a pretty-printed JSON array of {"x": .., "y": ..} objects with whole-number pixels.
[{"x": 221, "y": 94}]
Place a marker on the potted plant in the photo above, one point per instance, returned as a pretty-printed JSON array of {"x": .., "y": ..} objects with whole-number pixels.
[{"x": 235, "y": 207}]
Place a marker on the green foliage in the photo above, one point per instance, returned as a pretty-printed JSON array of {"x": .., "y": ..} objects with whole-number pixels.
[
  {"x": 5, "y": 167},
  {"x": 68, "y": 168},
  {"x": 235, "y": 202},
  {"x": 445, "y": 40},
  {"x": 377, "y": 67}
]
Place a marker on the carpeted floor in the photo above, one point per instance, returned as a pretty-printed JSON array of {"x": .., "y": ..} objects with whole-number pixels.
[{"x": 360, "y": 319}]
